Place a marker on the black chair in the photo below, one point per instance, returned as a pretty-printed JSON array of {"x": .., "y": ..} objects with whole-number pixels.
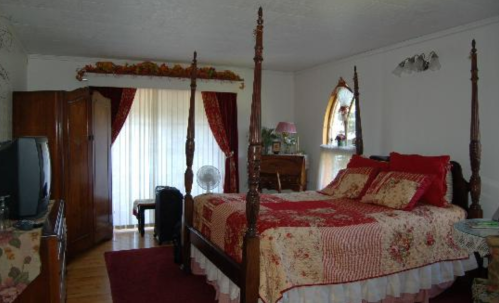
[{"x": 168, "y": 215}]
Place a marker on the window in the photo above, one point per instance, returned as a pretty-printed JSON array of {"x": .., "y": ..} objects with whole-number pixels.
[
  {"x": 338, "y": 133},
  {"x": 150, "y": 150},
  {"x": 339, "y": 121}
]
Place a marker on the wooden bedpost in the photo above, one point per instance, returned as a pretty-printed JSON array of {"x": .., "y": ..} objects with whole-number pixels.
[
  {"x": 251, "y": 244},
  {"x": 359, "y": 141},
  {"x": 189, "y": 175},
  {"x": 475, "y": 210}
]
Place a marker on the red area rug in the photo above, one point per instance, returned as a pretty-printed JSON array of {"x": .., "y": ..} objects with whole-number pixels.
[{"x": 149, "y": 275}]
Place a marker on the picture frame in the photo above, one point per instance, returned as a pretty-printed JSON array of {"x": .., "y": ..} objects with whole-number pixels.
[{"x": 276, "y": 147}]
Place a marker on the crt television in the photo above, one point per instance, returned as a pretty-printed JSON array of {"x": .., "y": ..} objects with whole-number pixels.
[{"x": 25, "y": 176}]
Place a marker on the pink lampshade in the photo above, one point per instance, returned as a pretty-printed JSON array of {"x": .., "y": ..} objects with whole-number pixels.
[{"x": 286, "y": 127}]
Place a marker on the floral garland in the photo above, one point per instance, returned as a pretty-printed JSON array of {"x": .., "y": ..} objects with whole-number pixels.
[{"x": 152, "y": 69}]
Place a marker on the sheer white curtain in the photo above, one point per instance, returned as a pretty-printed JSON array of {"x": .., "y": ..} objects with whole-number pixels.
[
  {"x": 332, "y": 160},
  {"x": 150, "y": 150}
]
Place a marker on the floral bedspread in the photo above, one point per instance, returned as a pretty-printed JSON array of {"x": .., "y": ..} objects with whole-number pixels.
[{"x": 308, "y": 239}]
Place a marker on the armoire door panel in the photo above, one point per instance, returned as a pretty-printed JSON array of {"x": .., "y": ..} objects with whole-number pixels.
[
  {"x": 41, "y": 114},
  {"x": 103, "y": 214},
  {"x": 78, "y": 171}
]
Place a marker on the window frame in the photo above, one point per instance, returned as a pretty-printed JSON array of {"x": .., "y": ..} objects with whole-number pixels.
[{"x": 330, "y": 110}]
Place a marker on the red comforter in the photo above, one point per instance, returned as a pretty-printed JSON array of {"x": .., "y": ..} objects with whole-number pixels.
[{"x": 308, "y": 239}]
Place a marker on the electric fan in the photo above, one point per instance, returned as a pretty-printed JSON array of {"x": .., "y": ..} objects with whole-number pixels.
[{"x": 208, "y": 177}]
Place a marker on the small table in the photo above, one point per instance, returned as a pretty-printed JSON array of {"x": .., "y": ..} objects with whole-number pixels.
[
  {"x": 139, "y": 206},
  {"x": 472, "y": 239}
]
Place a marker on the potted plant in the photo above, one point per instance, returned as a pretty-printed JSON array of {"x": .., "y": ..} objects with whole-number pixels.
[
  {"x": 341, "y": 139},
  {"x": 268, "y": 136}
]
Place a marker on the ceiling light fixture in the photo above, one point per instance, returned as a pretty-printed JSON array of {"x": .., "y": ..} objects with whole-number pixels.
[{"x": 418, "y": 63}]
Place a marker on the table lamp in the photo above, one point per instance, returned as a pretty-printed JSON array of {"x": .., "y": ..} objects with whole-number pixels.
[{"x": 285, "y": 128}]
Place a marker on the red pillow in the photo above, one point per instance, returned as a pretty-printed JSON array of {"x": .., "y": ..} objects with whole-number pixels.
[
  {"x": 358, "y": 161},
  {"x": 437, "y": 166}
]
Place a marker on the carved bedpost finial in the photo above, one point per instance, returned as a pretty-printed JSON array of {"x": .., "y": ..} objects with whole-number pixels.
[
  {"x": 341, "y": 82},
  {"x": 359, "y": 141},
  {"x": 475, "y": 210},
  {"x": 194, "y": 70},
  {"x": 190, "y": 144}
]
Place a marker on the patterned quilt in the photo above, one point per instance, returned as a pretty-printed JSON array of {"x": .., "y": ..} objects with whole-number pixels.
[{"x": 308, "y": 239}]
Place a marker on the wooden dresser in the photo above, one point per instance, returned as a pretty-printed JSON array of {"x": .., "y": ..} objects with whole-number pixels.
[
  {"x": 50, "y": 285},
  {"x": 283, "y": 172}
]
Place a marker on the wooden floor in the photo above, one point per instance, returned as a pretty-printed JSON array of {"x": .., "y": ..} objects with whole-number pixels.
[{"x": 87, "y": 280}]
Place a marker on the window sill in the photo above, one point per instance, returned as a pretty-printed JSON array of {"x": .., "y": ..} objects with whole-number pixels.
[{"x": 339, "y": 149}]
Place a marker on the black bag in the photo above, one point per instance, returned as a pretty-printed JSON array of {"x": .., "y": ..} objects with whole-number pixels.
[{"x": 168, "y": 213}]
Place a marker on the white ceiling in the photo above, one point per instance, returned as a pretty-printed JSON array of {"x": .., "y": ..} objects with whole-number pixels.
[{"x": 298, "y": 33}]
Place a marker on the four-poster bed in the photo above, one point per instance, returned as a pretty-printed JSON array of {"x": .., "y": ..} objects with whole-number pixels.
[{"x": 239, "y": 257}]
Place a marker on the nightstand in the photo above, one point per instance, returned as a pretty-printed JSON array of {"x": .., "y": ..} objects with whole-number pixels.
[
  {"x": 475, "y": 241},
  {"x": 487, "y": 290}
]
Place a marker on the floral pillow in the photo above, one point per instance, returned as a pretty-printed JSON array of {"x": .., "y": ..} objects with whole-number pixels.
[
  {"x": 398, "y": 190},
  {"x": 351, "y": 183}
]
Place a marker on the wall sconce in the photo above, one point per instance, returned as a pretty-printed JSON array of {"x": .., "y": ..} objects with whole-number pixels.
[{"x": 418, "y": 63}]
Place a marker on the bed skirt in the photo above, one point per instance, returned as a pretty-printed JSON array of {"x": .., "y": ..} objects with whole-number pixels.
[{"x": 415, "y": 285}]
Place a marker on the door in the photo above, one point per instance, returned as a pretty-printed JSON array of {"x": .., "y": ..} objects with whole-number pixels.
[
  {"x": 78, "y": 168},
  {"x": 103, "y": 207}
]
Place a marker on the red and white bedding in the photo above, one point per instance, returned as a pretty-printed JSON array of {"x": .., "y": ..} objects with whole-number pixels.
[{"x": 309, "y": 239}]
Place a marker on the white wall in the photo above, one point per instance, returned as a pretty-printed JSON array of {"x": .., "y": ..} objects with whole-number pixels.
[
  {"x": 58, "y": 73},
  {"x": 13, "y": 69},
  {"x": 426, "y": 113}
]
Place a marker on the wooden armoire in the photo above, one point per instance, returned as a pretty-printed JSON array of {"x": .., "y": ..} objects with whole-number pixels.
[{"x": 78, "y": 128}]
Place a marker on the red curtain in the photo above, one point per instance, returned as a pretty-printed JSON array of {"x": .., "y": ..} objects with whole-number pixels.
[
  {"x": 221, "y": 111},
  {"x": 121, "y": 102}
]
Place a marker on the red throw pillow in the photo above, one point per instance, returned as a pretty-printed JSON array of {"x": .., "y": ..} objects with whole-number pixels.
[
  {"x": 359, "y": 161},
  {"x": 436, "y": 165},
  {"x": 397, "y": 190},
  {"x": 350, "y": 183}
]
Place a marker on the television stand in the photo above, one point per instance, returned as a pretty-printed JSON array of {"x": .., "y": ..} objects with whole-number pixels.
[{"x": 50, "y": 285}]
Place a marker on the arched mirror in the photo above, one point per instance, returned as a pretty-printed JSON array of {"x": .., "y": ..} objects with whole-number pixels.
[{"x": 339, "y": 120}]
